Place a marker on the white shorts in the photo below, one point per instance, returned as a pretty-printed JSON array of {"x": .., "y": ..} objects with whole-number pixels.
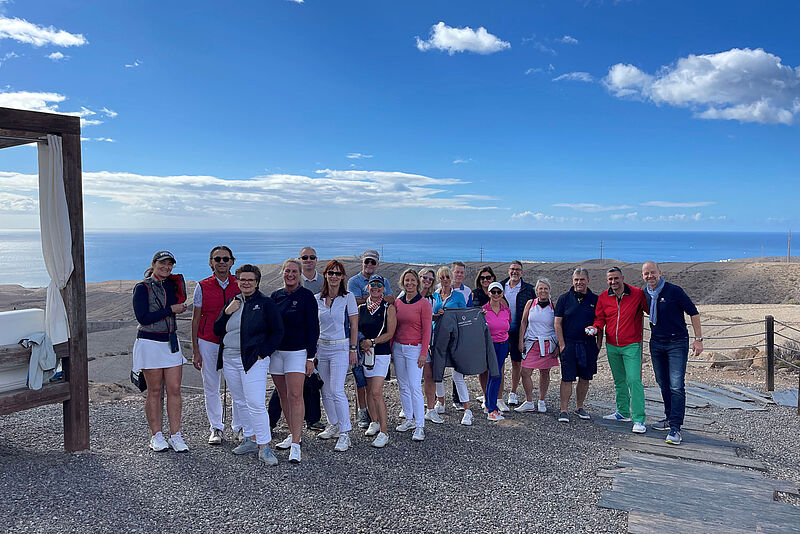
[
  {"x": 381, "y": 366},
  {"x": 150, "y": 354},
  {"x": 287, "y": 361}
]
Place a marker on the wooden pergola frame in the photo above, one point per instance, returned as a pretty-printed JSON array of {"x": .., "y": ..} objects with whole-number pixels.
[{"x": 18, "y": 127}]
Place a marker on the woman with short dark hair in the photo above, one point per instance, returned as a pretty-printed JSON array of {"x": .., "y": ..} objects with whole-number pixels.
[{"x": 250, "y": 328}]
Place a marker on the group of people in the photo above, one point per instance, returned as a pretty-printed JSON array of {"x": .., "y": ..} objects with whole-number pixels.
[{"x": 320, "y": 326}]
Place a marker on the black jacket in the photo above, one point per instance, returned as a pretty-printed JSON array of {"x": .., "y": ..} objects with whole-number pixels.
[
  {"x": 261, "y": 332},
  {"x": 526, "y": 293}
]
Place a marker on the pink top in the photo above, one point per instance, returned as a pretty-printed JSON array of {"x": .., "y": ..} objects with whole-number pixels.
[
  {"x": 413, "y": 323},
  {"x": 498, "y": 322}
]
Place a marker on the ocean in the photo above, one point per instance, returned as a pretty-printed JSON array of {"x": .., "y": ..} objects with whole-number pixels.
[{"x": 115, "y": 255}]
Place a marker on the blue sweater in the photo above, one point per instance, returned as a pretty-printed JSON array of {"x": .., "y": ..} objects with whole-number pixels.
[{"x": 673, "y": 302}]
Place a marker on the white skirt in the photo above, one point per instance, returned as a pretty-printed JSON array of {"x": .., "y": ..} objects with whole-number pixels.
[
  {"x": 381, "y": 366},
  {"x": 150, "y": 354}
]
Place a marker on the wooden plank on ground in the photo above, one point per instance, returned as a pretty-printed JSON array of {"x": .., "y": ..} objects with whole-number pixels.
[
  {"x": 785, "y": 397},
  {"x": 655, "y": 412},
  {"x": 747, "y": 392},
  {"x": 643, "y": 523},
  {"x": 723, "y": 401},
  {"x": 688, "y": 454},
  {"x": 692, "y": 401},
  {"x": 692, "y": 442},
  {"x": 726, "y": 392},
  {"x": 693, "y": 436}
]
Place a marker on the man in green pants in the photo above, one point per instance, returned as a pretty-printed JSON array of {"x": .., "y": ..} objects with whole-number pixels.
[{"x": 620, "y": 310}]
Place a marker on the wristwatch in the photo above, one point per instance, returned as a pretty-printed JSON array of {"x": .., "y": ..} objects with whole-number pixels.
[
  {"x": 700, "y": 339},
  {"x": 353, "y": 347},
  {"x": 372, "y": 341}
]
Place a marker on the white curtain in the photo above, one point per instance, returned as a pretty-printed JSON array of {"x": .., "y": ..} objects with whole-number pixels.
[{"x": 56, "y": 236}]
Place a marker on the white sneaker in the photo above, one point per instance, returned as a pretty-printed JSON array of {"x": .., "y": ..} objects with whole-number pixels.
[
  {"x": 402, "y": 414},
  {"x": 294, "y": 454},
  {"x": 502, "y": 406},
  {"x": 158, "y": 443},
  {"x": 512, "y": 398},
  {"x": 406, "y": 425},
  {"x": 639, "y": 428},
  {"x": 285, "y": 444},
  {"x": 433, "y": 417},
  {"x": 216, "y": 437},
  {"x": 439, "y": 407},
  {"x": 541, "y": 406},
  {"x": 343, "y": 443},
  {"x": 380, "y": 440},
  {"x": 176, "y": 442},
  {"x": 331, "y": 431},
  {"x": 467, "y": 419},
  {"x": 527, "y": 406},
  {"x": 373, "y": 429},
  {"x": 419, "y": 434}
]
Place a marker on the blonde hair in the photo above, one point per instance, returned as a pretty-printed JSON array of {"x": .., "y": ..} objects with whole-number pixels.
[{"x": 444, "y": 270}]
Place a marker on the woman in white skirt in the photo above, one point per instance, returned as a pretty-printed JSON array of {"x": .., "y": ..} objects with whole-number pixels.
[
  {"x": 336, "y": 351},
  {"x": 156, "y": 351},
  {"x": 376, "y": 324}
]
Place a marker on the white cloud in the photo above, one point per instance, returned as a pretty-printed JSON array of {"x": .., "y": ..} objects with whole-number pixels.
[
  {"x": 677, "y": 217},
  {"x": 34, "y": 101},
  {"x": 109, "y": 113},
  {"x": 567, "y": 39},
  {"x": 104, "y": 139},
  {"x": 7, "y": 56},
  {"x": 531, "y": 215},
  {"x": 452, "y": 40},
  {"x": 26, "y": 32},
  {"x": 13, "y": 203},
  {"x": 140, "y": 194},
  {"x": 666, "y": 204},
  {"x": 590, "y": 207},
  {"x": 358, "y": 155},
  {"x": 550, "y": 68},
  {"x": 458, "y": 161},
  {"x": 133, "y": 65},
  {"x": 297, "y": 1},
  {"x": 739, "y": 84},
  {"x": 56, "y": 56},
  {"x": 575, "y": 77},
  {"x": 627, "y": 216}
]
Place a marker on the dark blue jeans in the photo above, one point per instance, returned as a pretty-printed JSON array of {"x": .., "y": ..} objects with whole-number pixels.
[
  {"x": 669, "y": 365},
  {"x": 493, "y": 385}
]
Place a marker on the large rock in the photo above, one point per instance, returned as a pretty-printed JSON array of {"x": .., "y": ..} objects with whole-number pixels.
[{"x": 720, "y": 360}]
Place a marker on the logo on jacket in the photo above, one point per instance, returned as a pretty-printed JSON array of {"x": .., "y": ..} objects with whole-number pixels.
[
  {"x": 294, "y": 303},
  {"x": 256, "y": 307}
]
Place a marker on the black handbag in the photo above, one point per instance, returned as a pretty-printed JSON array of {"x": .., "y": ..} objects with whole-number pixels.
[{"x": 137, "y": 379}]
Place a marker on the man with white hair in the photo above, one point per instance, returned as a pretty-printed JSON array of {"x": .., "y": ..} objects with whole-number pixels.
[{"x": 669, "y": 345}]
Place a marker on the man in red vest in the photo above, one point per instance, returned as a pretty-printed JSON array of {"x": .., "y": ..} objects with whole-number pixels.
[{"x": 210, "y": 297}]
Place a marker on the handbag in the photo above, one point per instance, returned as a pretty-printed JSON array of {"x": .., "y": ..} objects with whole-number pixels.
[{"x": 137, "y": 379}]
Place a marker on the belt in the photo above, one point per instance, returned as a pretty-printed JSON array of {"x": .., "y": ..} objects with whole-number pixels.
[{"x": 332, "y": 341}]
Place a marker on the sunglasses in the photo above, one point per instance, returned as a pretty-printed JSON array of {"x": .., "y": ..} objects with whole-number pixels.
[
  {"x": 376, "y": 284},
  {"x": 334, "y": 273},
  {"x": 496, "y": 292},
  {"x": 221, "y": 259},
  {"x": 311, "y": 257},
  {"x": 248, "y": 280},
  {"x": 428, "y": 278},
  {"x": 370, "y": 261},
  {"x": 487, "y": 277},
  {"x": 444, "y": 277}
]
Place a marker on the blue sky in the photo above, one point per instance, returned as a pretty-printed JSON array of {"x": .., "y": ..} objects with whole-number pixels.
[{"x": 470, "y": 114}]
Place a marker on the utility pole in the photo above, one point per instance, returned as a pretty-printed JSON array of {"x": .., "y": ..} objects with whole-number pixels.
[
  {"x": 481, "y": 253},
  {"x": 789, "y": 251}
]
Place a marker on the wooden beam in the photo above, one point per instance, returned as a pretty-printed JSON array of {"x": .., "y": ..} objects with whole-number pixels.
[
  {"x": 76, "y": 367},
  {"x": 15, "y": 355},
  {"x": 24, "y": 399},
  {"x": 42, "y": 123}
]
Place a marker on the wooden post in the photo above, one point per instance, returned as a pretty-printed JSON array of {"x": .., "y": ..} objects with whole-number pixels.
[
  {"x": 770, "y": 367},
  {"x": 76, "y": 371}
]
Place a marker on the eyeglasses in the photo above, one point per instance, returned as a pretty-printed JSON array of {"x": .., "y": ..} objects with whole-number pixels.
[
  {"x": 496, "y": 292},
  {"x": 334, "y": 273},
  {"x": 221, "y": 259},
  {"x": 376, "y": 283},
  {"x": 308, "y": 257},
  {"x": 247, "y": 280},
  {"x": 487, "y": 277},
  {"x": 370, "y": 261}
]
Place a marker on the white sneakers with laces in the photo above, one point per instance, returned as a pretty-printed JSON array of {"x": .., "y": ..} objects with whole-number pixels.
[
  {"x": 176, "y": 443},
  {"x": 158, "y": 443},
  {"x": 467, "y": 419}
]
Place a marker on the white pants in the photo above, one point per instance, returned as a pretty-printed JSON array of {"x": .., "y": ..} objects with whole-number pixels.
[
  {"x": 211, "y": 381},
  {"x": 249, "y": 392},
  {"x": 461, "y": 387},
  {"x": 332, "y": 364},
  {"x": 409, "y": 379}
]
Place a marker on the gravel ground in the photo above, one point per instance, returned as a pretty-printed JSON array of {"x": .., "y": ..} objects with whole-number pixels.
[{"x": 526, "y": 473}]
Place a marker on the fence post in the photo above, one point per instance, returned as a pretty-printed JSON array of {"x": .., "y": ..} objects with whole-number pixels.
[{"x": 770, "y": 367}]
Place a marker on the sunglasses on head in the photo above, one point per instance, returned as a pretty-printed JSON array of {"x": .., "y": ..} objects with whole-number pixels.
[
  {"x": 308, "y": 257},
  {"x": 486, "y": 277},
  {"x": 376, "y": 283},
  {"x": 370, "y": 261},
  {"x": 220, "y": 259},
  {"x": 333, "y": 273}
]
